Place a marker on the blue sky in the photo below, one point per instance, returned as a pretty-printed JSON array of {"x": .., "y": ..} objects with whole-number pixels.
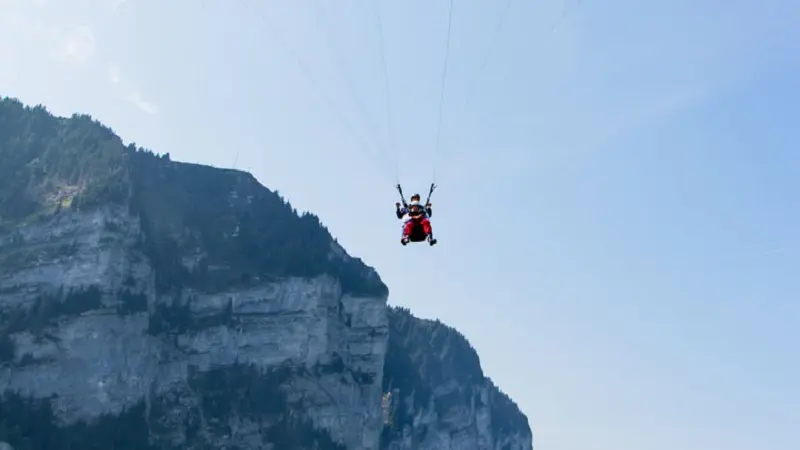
[{"x": 618, "y": 202}]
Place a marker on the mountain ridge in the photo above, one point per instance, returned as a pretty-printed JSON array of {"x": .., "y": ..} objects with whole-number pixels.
[{"x": 203, "y": 291}]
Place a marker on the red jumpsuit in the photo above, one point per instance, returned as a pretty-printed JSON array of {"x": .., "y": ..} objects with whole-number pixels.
[{"x": 408, "y": 227}]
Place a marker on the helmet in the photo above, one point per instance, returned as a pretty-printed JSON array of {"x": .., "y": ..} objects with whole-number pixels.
[{"x": 415, "y": 203}]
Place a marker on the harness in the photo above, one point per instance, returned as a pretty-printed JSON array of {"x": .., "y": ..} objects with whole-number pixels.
[{"x": 427, "y": 200}]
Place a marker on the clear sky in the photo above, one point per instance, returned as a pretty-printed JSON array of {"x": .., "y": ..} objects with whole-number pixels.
[{"x": 618, "y": 210}]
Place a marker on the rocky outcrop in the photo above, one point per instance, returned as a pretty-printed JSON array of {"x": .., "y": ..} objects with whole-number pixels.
[
  {"x": 88, "y": 331},
  {"x": 437, "y": 395},
  {"x": 146, "y": 303}
]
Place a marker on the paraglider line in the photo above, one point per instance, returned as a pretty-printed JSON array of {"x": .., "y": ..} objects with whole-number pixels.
[
  {"x": 388, "y": 96},
  {"x": 568, "y": 8},
  {"x": 489, "y": 50},
  {"x": 444, "y": 80},
  {"x": 339, "y": 60},
  {"x": 487, "y": 56},
  {"x": 310, "y": 75}
]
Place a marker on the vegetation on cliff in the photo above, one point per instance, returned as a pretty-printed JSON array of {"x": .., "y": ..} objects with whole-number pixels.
[
  {"x": 48, "y": 162},
  {"x": 423, "y": 354},
  {"x": 236, "y": 391},
  {"x": 31, "y": 425},
  {"x": 232, "y": 230},
  {"x": 209, "y": 229},
  {"x": 203, "y": 227}
]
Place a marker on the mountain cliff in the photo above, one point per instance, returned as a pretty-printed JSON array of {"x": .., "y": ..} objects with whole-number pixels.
[
  {"x": 437, "y": 396},
  {"x": 146, "y": 303}
]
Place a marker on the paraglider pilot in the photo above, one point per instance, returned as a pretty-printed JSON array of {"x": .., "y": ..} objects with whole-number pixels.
[{"x": 415, "y": 217}]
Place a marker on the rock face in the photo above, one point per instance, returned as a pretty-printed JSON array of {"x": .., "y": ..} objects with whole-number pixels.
[
  {"x": 146, "y": 303},
  {"x": 437, "y": 394}
]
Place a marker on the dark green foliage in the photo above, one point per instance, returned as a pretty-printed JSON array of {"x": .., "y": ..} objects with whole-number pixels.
[
  {"x": 244, "y": 231},
  {"x": 441, "y": 352},
  {"x": 7, "y": 348},
  {"x": 506, "y": 415},
  {"x": 401, "y": 372},
  {"x": 291, "y": 433},
  {"x": 172, "y": 413},
  {"x": 248, "y": 393},
  {"x": 47, "y": 162},
  {"x": 203, "y": 228},
  {"x": 17, "y": 255},
  {"x": 177, "y": 318},
  {"x": 335, "y": 365},
  {"x": 78, "y": 301},
  {"x": 42, "y": 314},
  {"x": 131, "y": 303},
  {"x": 30, "y": 425},
  {"x": 416, "y": 362},
  {"x": 48, "y": 308},
  {"x": 170, "y": 319},
  {"x": 422, "y": 354},
  {"x": 239, "y": 390},
  {"x": 363, "y": 378},
  {"x": 242, "y": 390}
]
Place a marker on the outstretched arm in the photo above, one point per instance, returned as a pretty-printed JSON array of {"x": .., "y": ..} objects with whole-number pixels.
[
  {"x": 429, "y": 210},
  {"x": 398, "y": 211}
]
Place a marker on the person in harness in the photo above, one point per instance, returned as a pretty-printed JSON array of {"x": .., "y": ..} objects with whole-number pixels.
[{"x": 416, "y": 221}]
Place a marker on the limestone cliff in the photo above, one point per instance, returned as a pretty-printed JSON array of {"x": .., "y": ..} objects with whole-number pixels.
[
  {"x": 437, "y": 395},
  {"x": 146, "y": 303}
]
